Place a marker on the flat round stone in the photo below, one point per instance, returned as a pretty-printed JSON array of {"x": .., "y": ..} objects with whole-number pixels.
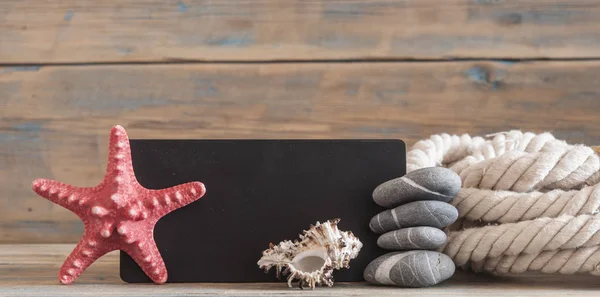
[
  {"x": 413, "y": 269},
  {"x": 414, "y": 238},
  {"x": 419, "y": 213},
  {"x": 432, "y": 183}
]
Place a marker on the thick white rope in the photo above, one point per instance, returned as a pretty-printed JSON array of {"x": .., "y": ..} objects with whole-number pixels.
[
  {"x": 563, "y": 168},
  {"x": 569, "y": 261},
  {"x": 509, "y": 207},
  {"x": 529, "y": 202},
  {"x": 527, "y": 237}
]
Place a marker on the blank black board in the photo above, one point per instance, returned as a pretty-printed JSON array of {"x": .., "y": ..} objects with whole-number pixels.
[{"x": 260, "y": 191}]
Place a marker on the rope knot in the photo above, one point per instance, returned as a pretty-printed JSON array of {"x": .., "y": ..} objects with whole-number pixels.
[{"x": 528, "y": 202}]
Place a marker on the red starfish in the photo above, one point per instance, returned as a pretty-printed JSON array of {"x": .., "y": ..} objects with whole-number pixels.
[{"x": 118, "y": 214}]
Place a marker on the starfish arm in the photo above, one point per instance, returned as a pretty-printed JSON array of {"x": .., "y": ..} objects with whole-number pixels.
[
  {"x": 67, "y": 196},
  {"x": 146, "y": 255},
  {"x": 119, "y": 154},
  {"x": 165, "y": 201},
  {"x": 85, "y": 253}
]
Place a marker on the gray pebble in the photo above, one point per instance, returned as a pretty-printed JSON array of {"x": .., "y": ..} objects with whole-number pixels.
[
  {"x": 431, "y": 183},
  {"x": 419, "y": 213},
  {"x": 410, "y": 269},
  {"x": 415, "y": 238}
]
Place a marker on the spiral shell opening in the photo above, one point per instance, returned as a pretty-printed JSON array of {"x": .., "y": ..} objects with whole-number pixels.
[{"x": 312, "y": 260}]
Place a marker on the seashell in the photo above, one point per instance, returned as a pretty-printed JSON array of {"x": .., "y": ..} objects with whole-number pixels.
[{"x": 321, "y": 249}]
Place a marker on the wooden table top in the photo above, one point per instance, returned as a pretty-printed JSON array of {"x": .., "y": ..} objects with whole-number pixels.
[{"x": 31, "y": 270}]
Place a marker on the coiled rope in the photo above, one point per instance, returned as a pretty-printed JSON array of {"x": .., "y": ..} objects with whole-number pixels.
[{"x": 528, "y": 202}]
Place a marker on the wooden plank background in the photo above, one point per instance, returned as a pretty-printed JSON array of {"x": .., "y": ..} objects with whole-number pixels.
[
  {"x": 69, "y": 70},
  {"x": 70, "y": 31}
]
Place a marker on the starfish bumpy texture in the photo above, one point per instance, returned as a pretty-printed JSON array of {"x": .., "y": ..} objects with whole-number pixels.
[{"x": 118, "y": 214}]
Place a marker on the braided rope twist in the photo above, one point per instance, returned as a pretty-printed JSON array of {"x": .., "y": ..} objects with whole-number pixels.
[
  {"x": 569, "y": 261},
  {"x": 528, "y": 202},
  {"x": 509, "y": 207},
  {"x": 524, "y": 172},
  {"x": 527, "y": 237}
]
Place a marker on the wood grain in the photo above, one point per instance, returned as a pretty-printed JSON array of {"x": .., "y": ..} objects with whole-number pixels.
[
  {"x": 69, "y": 31},
  {"x": 30, "y": 270},
  {"x": 55, "y": 120}
]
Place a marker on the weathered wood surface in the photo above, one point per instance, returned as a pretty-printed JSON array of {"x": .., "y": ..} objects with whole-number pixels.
[
  {"x": 31, "y": 270},
  {"x": 69, "y": 31},
  {"x": 55, "y": 120}
]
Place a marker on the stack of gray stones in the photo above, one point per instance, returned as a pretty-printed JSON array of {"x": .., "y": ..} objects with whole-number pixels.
[{"x": 418, "y": 210}]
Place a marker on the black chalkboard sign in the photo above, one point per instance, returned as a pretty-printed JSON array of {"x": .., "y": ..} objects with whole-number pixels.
[{"x": 260, "y": 191}]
